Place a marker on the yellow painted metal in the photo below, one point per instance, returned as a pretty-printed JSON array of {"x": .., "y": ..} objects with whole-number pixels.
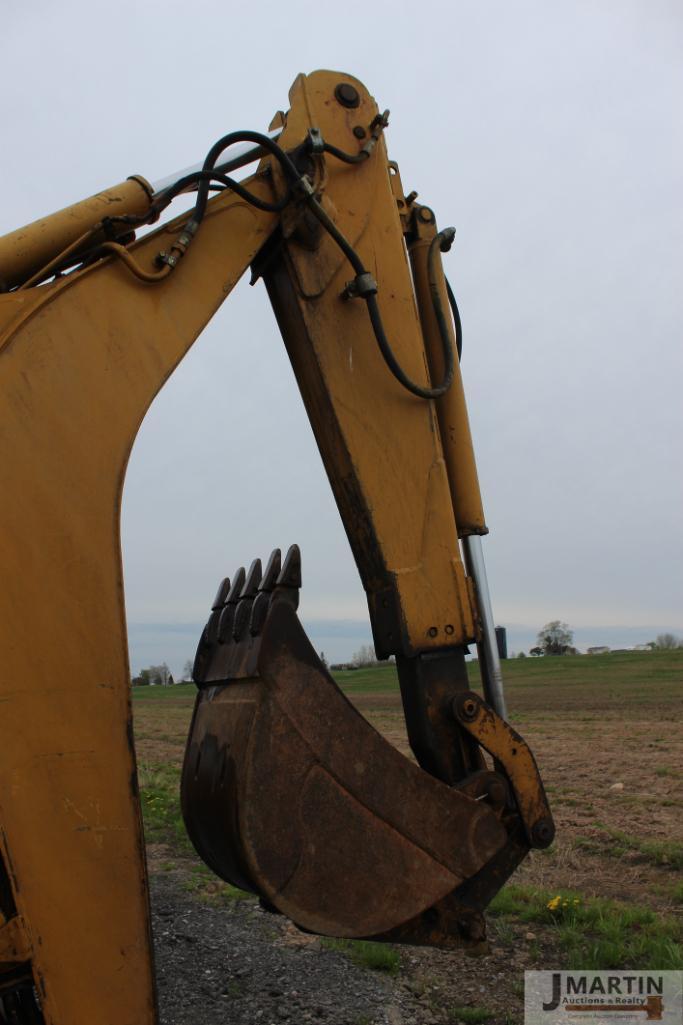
[
  {"x": 456, "y": 437},
  {"x": 27, "y": 250},
  {"x": 15, "y": 945},
  {"x": 380, "y": 444},
  {"x": 510, "y": 751},
  {"x": 80, "y": 361}
]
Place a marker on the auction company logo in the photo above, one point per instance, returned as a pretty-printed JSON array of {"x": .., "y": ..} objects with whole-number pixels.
[{"x": 602, "y": 998}]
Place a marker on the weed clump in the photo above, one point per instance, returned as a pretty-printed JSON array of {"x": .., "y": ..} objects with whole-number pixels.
[
  {"x": 596, "y": 933},
  {"x": 378, "y": 956}
]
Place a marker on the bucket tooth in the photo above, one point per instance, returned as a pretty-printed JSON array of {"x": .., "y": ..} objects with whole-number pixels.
[
  {"x": 225, "y": 626},
  {"x": 272, "y": 571},
  {"x": 210, "y": 632},
  {"x": 289, "y": 580},
  {"x": 253, "y": 579},
  {"x": 213, "y": 632},
  {"x": 290, "y": 575},
  {"x": 221, "y": 595},
  {"x": 247, "y": 595},
  {"x": 242, "y": 616},
  {"x": 261, "y": 604},
  {"x": 226, "y": 623},
  {"x": 218, "y": 603},
  {"x": 201, "y": 656},
  {"x": 238, "y": 582}
]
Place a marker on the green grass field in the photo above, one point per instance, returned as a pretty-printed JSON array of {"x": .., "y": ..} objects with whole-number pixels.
[
  {"x": 617, "y": 682},
  {"x": 607, "y": 736}
]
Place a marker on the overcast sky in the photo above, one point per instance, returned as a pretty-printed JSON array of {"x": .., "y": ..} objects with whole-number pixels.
[{"x": 550, "y": 135}]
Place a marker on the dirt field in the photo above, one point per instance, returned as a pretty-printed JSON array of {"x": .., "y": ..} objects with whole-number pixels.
[{"x": 606, "y": 732}]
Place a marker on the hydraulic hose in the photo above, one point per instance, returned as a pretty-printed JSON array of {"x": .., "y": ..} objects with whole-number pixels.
[{"x": 366, "y": 289}]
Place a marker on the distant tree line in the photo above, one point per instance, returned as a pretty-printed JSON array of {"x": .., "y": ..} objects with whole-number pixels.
[
  {"x": 161, "y": 676},
  {"x": 556, "y": 638},
  {"x": 666, "y": 642},
  {"x": 364, "y": 658}
]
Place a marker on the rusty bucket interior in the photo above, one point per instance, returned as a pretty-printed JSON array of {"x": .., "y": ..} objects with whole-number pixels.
[{"x": 288, "y": 792}]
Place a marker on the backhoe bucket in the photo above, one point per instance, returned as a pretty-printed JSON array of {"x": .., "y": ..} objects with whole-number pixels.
[{"x": 289, "y": 792}]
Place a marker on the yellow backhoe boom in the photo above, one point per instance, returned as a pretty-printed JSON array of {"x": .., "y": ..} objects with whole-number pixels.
[{"x": 286, "y": 790}]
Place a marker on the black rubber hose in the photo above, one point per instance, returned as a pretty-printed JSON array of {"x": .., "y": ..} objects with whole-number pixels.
[
  {"x": 348, "y": 158},
  {"x": 380, "y": 122},
  {"x": 395, "y": 367},
  {"x": 208, "y": 177},
  {"x": 443, "y": 242},
  {"x": 216, "y": 181},
  {"x": 456, "y": 318},
  {"x": 376, "y": 318},
  {"x": 222, "y": 144}
]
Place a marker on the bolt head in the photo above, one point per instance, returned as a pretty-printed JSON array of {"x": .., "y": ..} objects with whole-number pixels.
[
  {"x": 347, "y": 95},
  {"x": 465, "y": 708}
]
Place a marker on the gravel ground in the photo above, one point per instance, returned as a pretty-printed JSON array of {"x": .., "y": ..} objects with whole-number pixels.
[
  {"x": 231, "y": 963},
  {"x": 240, "y": 965}
]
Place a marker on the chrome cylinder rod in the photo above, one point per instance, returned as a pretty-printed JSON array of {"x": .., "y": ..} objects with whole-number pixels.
[
  {"x": 240, "y": 155},
  {"x": 489, "y": 661}
]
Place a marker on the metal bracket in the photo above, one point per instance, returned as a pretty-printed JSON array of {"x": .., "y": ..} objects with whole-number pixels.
[
  {"x": 361, "y": 286},
  {"x": 512, "y": 753},
  {"x": 379, "y": 123},
  {"x": 303, "y": 187},
  {"x": 316, "y": 143},
  {"x": 403, "y": 202}
]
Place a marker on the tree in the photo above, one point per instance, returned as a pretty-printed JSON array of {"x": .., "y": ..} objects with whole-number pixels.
[
  {"x": 365, "y": 656},
  {"x": 536, "y": 651},
  {"x": 160, "y": 676},
  {"x": 187, "y": 671},
  {"x": 142, "y": 679},
  {"x": 667, "y": 642},
  {"x": 555, "y": 639},
  {"x": 323, "y": 659}
]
